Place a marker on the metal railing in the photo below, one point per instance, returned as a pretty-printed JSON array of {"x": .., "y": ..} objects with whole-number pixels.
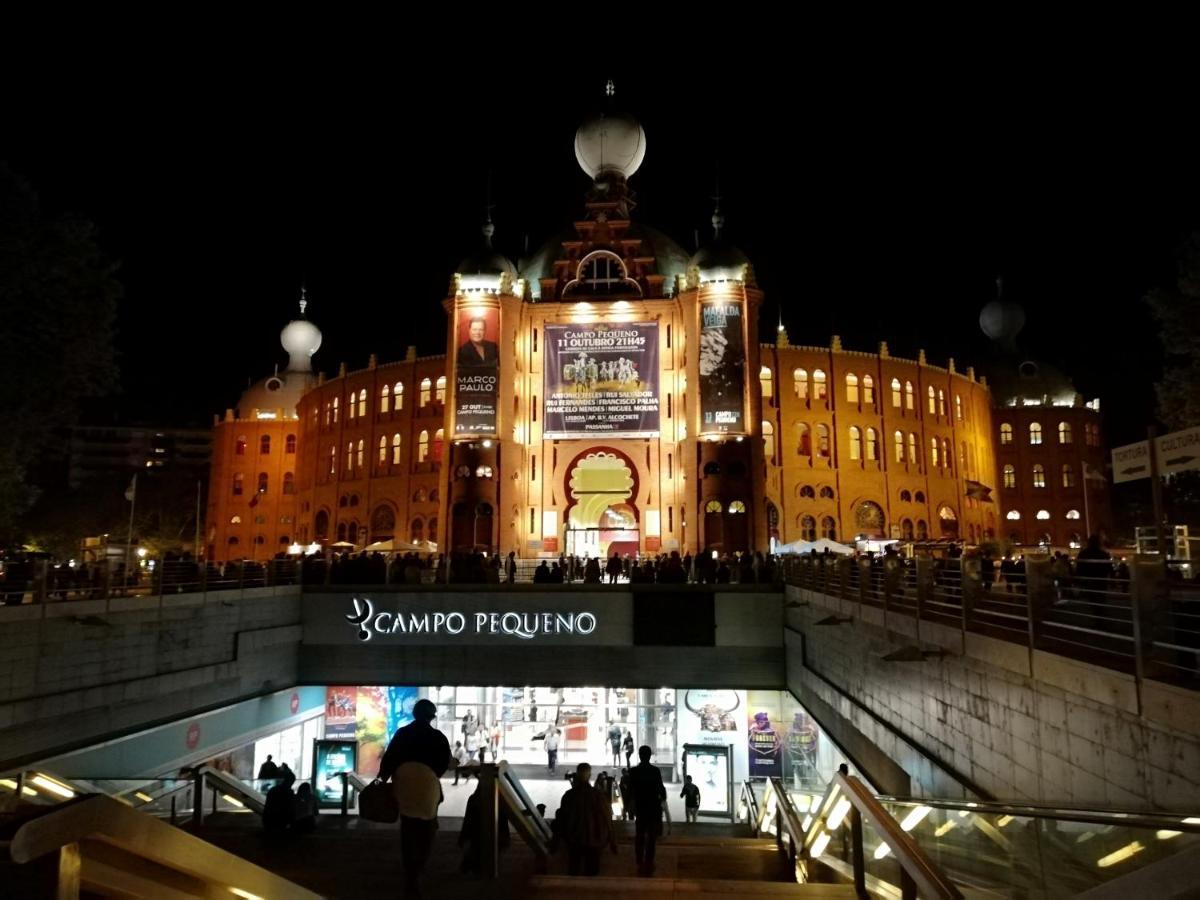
[{"x": 1145, "y": 623}]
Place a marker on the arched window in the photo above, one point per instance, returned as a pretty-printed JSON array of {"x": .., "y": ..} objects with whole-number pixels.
[
  {"x": 1013, "y": 516},
  {"x": 416, "y": 531},
  {"x": 237, "y": 484},
  {"x": 768, "y": 439},
  {"x": 800, "y": 383},
  {"x": 350, "y": 457},
  {"x": 1039, "y": 476},
  {"x": 396, "y": 449},
  {"x": 359, "y": 457},
  {"x": 440, "y": 395},
  {"x": 262, "y": 482},
  {"x": 483, "y": 471},
  {"x": 829, "y": 528},
  {"x": 872, "y": 446},
  {"x": 868, "y": 390},
  {"x": 289, "y": 444},
  {"x": 385, "y": 397},
  {"x": 423, "y": 446},
  {"x": 803, "y": 439},
  {"x": 432, "y": 529},
  {"x": 1005, "y": 433},
  {"x": 335, "y": 410},
  {"x": 1035, "y": 433},
  {"x": 807, "y": 492},
  {"x": 906, "y": 529},
  {"x": 333, "y": 460},
  {"x": 426, "y": 387},
  {"x": 264, "y": 445},
  {"x": 908, "y": 395},
  {"x": 433, "y": 494},
  {"x": 851, "y": 388},
  {"x": 382, "y": 449},
  {"x": 398, "y": 396},
  {"x": 1068, "y": 476},
  {"x": 233, "y": 540},
  {"x": 383, "y": 522},
  {"x": 712, "y": 468},
  {"x": 736, "y": 507},
  {"x": 239, "y": 448},
  {"x": 766, "y": 380},
  {"x": 932, "y": 401},
  {"x": 826, "y": 493},
  {"x": 328, "y": 413},
  {"x": 906, "y": 496},
  {"x": 235, "y": 520},
  {"x": 289, "y": 482},
  {"x": 855, "y": 442},
  {"x": 897, "y": 400},
  {"x": 1010, "y": 476},
  {"x": 1064, "y": 432},
  {"x": 919, "y": 497},
  {"x": 933, "y": 453},
  {"x": 1043, "y": 515},
  {"x": 419, "y": 495},
  {"x": 808, "y": 528},
  {"x": 818, "y": 384},
  {"x": 362, "y": 402},
  {"x": 823, "y": 450},
  {"x": 947, "y": 456},
  {"x": 958, "y": 407},
  {"x": 912, "y": 450},
  {"x": 941, "y": 403},
  {"x": 438, "y": 438},
  {"x": 898, "y": 441},
  {"x": 922, "y": 530},
  {"x": 1072, "y": 514},
  {"x": 713, "y": 506},
  {"x": 321, "y": 524}
]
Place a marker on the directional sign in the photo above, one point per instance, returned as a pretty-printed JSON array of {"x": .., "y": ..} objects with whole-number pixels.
[
  {"x": 1177, "y": 451},
  {"x": 1131, "y": 462}
]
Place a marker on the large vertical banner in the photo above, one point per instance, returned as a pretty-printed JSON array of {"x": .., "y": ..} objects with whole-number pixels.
[
  {"x": 764, "y": 733},
  {"x": 477, "y": 372},
  {"x": 722, "y": 367},
  {"x": 601, "y": 379}
]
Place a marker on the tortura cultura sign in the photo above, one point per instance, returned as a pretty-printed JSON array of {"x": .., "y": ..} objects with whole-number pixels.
[{"x": 524, "y": 625}]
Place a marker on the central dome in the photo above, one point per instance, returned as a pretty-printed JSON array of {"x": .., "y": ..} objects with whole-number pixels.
[{"x": 610, "y": 143}]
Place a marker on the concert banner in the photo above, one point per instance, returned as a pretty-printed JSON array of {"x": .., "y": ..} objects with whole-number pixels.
[
  {"x": 476, "y": 372},
  {"x": 765, "y": 737},
  {"x": 722, "y": 368},
  {"x": 601, "y": 379}
]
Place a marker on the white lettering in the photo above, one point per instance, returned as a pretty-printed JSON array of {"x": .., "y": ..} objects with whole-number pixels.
[
  {"x": 524, "y": 625},
  {"x": 579, "y": 623},
  {"x": 439, "y": 619},
  {"x": 480, "y": 621},
  {"x": 451, "y": 619},
  {"x": 564, "y": 624},
  {"x": 381, "y": 622},
  {"x": 417, "y": 625},
  {"x": 493, "y": 622}
]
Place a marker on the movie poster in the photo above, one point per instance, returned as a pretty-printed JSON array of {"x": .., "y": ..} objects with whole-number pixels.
[
  {"x": 477, "y": 372},
  {"x": 381, "y": 712},
  {"x": 341, "y": 720},
  {"x": 330, "y": 759},
  {"x": 722, "y": 368},
  {"x": 601, "y": 379},
  {"x": 764, "y": 734},
  {"x": 803, "y": 746}
]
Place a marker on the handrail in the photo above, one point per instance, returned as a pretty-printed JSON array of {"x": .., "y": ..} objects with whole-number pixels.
[
  {"x": 228, "y": 784},
  {"x": 1132, "y": 819},
  {"x": 89, "y": 820},
  {"x": 748, "y": 806},
  {"x": 522, "y": 803},
  {"x": 848, "y": 800}
]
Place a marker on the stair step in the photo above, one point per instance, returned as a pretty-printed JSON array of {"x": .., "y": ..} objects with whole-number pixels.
[{"x": 605, "y": 887}]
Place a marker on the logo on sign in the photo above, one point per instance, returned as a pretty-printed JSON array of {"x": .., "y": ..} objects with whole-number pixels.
[
  {"x": 295, "y": 704},
  {"x": 193, "y": 736},
  {"x": 525, "y": 625}
]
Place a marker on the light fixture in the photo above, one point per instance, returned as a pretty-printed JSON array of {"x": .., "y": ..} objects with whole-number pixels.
[
  {"x": 145, "y": 798},
  {"x": 1167, "y": 835},
  {"x": 1120, "y": 855},
  {"x": 913, "y": 819},
  {"x": 1003, "y": 820},
  {"x": 233, "y": 801},
  {"x": 245, "y": 895},
  {"x": 49, "y": 784},
  {"x": 820, "y": 844},
  {"x": 839, "y": 813},
  {"x": 882, "y": 850},
  {"x": 944, "y": 828}
]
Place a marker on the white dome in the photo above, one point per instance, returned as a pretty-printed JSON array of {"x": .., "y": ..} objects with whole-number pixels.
[
  {"x": 1002, "y": 320},
  {"x": 301, "y": 339},
  {"x": 610, "y": 143}
]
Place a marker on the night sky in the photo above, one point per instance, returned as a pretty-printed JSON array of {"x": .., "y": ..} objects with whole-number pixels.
[{"x": 878, "y": 210}]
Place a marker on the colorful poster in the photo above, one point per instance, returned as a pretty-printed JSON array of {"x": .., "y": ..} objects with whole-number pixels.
[
  {"x": 330, "y": 758},
  {"x": 715, "y": 712},
  {"x": 601, "y": 379},
  {"x": 765, "y": 738},
  {"x": 803, "y": 744},
  {"x": 477, "y": 372},
  {"x": 381, "y": 712},
  {"x": 722, "y": 368},
  {"x": 341, "y": 721}
]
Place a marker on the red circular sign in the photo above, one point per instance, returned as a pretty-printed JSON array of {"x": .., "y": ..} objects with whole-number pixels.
[
  {"x": 193, "y": 736},
  {"x": 295, "y": 703}
]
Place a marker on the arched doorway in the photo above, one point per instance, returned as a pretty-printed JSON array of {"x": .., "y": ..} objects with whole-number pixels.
[
  {"x": 949, "y": 521},
  {"x": 601, "y": 516},
  {"x": 470, "y": 526},
  {"x": 772, "y": 526},
  {"x": 869, "y": 519}
]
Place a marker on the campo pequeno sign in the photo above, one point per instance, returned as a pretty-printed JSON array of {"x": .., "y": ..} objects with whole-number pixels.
[{"x": 370, "y": 622}]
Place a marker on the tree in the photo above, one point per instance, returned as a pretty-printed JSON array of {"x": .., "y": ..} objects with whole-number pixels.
[
  {"x": 1177, "y": 312},
  {"x": 58, "y": 304}
]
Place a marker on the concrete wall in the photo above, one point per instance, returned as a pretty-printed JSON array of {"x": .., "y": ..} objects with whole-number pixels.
[
  {"x": 78, "y": 672},
  {"x": 748, "y": 651},
  {"x": 1019, "y": 725}
]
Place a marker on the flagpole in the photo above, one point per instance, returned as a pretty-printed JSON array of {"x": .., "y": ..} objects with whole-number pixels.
[{"x": 129, "y": 539}]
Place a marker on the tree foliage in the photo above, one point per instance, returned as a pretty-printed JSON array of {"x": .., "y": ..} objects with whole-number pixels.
[
  {"x": 1177, "y": 312},
  {"x": 58, "y": 304}
]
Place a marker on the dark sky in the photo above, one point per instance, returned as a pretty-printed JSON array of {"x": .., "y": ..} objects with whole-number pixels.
[{"x": 877, "y": 209}]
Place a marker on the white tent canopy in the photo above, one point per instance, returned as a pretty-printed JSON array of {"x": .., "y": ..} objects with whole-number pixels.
[{"x": 820, "y": 546}]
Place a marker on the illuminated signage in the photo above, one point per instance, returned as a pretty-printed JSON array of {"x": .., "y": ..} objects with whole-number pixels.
[{"x": 524, "y": 625}]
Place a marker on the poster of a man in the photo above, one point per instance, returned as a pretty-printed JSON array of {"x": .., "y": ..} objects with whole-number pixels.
[{"x": 477, "y": 350}]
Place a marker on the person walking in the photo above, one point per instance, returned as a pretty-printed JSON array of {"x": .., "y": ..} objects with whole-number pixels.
[
  {"x": 649, "y": 796},
  {"x": 510, "y": 567},
  {"x": 627, "y": 746},
  {"x": 585, "y": 824},
  {"x": 462, "y": 760},
  {"x": 416, "y": 757},
  {"x": 614, "y": 740},
  {"x": 691, "y": 799},
  {"x": 552, "y": 750}
]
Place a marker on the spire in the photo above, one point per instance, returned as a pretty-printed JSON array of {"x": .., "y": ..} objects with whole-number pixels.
[
  {"x": 303, "y": 298},
  {"x": 718, "y": 220},
  {"x": 609, "y": 89}
]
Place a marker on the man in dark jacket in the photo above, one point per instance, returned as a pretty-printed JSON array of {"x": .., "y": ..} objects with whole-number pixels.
[
  {"x": 649, "y": 795},
  {"x": 417, "y": 742}
]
